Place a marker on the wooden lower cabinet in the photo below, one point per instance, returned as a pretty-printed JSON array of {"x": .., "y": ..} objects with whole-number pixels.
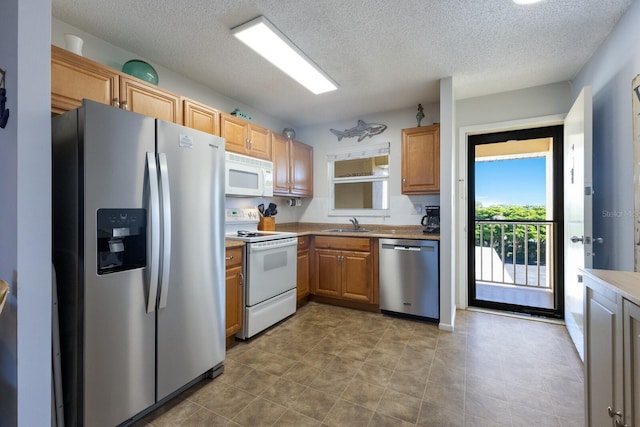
[
  {"x": 302, "y": 278},
  {"x": 234, "y": 291},
  {"x": 344, "y": 268},
  {"x": 356, "y": 276},
  {"x": 328, "y": 273}
]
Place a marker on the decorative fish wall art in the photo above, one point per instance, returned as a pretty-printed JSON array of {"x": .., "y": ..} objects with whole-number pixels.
[{"x": 361, "y": 130}]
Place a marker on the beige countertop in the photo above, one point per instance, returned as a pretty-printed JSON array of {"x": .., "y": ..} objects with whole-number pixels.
[
  {"x": 625, "y": 283},
  {"x": 378, "y": 231},
  {"x": 228, "y": 243}
]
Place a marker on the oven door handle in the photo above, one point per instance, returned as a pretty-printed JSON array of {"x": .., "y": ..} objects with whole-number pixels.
[{"x": 259, "y": 247}]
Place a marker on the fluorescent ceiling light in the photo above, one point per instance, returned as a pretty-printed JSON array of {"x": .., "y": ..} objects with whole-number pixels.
[
  {"x": 263, "y": 37},
  {"x": 526, "y": 1}
]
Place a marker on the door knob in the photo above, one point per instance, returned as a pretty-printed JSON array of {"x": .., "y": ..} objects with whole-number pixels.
[{"x": 576, "y": 239}]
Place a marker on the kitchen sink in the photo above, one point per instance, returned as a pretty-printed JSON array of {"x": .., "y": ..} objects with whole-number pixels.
[{"x": 349, "y": 230}]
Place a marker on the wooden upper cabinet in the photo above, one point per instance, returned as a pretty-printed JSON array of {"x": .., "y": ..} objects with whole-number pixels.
[
  {"x": 201, "y": 117},
  {"x": 280, "y": 158},
  {"x": 293, "y": 166},
  {"x": 233, "y": 130},
  {"x": 74, "y": 77},
  {"x": 149, "y": 100},
  {"x": 245, "y": 138},
  {"x": 259, "y": 141},
  {"x": 421, "y": 160},
  {"x": 301, "y": 169}
]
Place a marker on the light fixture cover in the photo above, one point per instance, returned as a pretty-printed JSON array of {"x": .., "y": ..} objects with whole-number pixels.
[
  {"x": 526, "y": 1},
  {"x": 264, "y": 38}
]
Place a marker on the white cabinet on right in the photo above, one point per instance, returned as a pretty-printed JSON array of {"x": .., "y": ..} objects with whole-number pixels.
[
  {"x": 631, "y": 344},
  {"x": 612, "y": 348}
]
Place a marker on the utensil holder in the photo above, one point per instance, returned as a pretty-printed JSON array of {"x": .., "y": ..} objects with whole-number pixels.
[{"x": 267, "y": 223}]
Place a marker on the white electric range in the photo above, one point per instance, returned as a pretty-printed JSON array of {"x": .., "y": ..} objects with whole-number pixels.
[{"x": 270, "y": 267}]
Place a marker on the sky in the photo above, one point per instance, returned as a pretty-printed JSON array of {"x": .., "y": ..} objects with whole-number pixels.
[{"x": 511, "y": 182}]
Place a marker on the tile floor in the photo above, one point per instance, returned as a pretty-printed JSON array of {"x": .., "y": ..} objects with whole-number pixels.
[{"x": 332, "y": 366}]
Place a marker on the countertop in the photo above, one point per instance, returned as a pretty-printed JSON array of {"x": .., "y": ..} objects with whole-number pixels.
[
  {"x": 625, "y": 283},
  {"x": 228, "y": 243},
  {"x": 379, "y": 231}
]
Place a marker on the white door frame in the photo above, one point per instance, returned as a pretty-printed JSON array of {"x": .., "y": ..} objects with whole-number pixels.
[{"x": 460, "y": 215}]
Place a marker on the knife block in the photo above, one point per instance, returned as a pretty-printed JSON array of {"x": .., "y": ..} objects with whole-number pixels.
[{"x": 267, "y": 223}]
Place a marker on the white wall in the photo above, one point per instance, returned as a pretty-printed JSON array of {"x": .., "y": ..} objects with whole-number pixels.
[
  {"x": 609, "y": 72},
  {"x": 448, "y": 198},
  {"x": 112, "y": 56},
  {"x": 514, "y": 105},
  {"x": 324, "y": 142},
  {"x": 25, "y": 215},
  {"x": 285, "y": 214}
]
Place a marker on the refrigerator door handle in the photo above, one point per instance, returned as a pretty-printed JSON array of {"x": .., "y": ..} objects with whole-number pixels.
[
  {"x": 154, "y": 205},
  {"x": 166, "y": 229}
]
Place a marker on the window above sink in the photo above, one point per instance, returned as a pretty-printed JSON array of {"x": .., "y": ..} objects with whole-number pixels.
[{"x": 359, "y": 181}]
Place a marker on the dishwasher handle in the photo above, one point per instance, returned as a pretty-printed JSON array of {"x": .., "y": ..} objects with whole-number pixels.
[{"x": 408, "y": 248}]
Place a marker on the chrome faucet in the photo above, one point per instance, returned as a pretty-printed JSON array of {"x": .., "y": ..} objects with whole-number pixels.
[{"x": 354, "y": 221}]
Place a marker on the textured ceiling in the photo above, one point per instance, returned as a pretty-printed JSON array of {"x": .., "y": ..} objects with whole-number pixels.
[{"x": 385, "y": 55}]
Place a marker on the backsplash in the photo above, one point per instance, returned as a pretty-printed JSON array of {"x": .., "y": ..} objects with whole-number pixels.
[{"x": 285, "y": 214}]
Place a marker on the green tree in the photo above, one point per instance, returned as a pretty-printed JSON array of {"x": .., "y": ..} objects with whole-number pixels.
[{"x": 489, "y": 234}]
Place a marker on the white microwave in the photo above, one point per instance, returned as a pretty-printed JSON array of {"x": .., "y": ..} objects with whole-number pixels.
[{"x": 246, "y": 176}]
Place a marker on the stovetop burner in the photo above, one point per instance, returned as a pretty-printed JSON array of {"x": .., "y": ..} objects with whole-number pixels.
[{"x": 242, "y": 224}]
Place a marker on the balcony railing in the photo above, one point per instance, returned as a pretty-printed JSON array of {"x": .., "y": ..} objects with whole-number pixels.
[{"x": 514, "y": 253}]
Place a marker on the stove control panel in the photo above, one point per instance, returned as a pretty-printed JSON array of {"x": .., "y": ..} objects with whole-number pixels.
[{"x": 241, "y": 215}]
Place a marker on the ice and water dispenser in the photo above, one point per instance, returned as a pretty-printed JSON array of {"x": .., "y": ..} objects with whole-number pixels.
[{"x": 122, "y": 239}]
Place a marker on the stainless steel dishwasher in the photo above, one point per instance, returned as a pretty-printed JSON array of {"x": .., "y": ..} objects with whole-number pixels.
[{"x": 409, "y": 277}]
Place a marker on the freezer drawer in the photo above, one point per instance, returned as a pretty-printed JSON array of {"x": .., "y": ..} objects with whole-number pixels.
[{"x": 409, "y": 277}]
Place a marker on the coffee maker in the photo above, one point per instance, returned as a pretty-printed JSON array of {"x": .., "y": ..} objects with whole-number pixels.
[{"x": 431, "y": 221}]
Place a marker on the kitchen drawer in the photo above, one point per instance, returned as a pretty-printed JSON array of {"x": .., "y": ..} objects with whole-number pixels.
[
  {"x": 346, "y": 243},
  {"x": 233, "y": 257},
  {"x": 303, "y": 243}
]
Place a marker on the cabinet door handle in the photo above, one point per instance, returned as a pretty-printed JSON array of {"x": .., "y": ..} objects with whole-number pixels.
[
  {"x": 404, "y": 181},
  {"x": 241, "y": 279},
  {"x": 229, "y": 258},
  {"x": 116, "y": 102},
  {"x": 124, "y": 105}
]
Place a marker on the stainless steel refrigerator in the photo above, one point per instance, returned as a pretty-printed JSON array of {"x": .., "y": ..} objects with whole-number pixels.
[{"x": 138, "y": 243}]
